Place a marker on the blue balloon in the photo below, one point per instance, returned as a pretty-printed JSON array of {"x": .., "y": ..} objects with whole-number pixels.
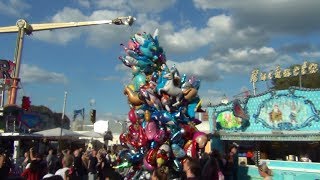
[
  {"x": 139, "y": 80},
  {"x": 177, "y": 151}
]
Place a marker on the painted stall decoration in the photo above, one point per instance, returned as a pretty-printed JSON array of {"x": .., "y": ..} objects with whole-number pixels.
[
  {"x": 233, "y": 118},
  {"x": 286, "y": 112}
]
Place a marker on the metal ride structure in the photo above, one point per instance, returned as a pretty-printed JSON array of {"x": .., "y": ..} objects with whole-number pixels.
[{"x": 23, "y": 27}]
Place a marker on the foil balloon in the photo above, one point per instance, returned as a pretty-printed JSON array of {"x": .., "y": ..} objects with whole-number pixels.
[
  {"x": 188, "y": 130},
  {"x": 176, "y": 137},
  {"x": 190, "y": 149},
  {"x": 177, "y": 151},
  {"x": 162, "y": 158},
  {"x": 133, "y": 97},
  {"x": 123, "y": 138},
  {"x": 147, "y": 115},
  {"x": 163, "y": 154},
  {"x": 201, "y": 138},
  {"x": 136, "y": 158},
  {"x": 142, "y": 138},
  {"x": 153, "y": 144},
  {"x": 151, "y": 130},
  {"x": 139, "y": 80},
  {"x": 149, "y": 160},
  {"x": 132, "y": 116},
  {"x": 177, "y": 166},
  {"x": 160, "y": 137}
]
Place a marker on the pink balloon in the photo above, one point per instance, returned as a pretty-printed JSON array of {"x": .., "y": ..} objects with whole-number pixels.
[
  {"x": 201, "y": 139},
  {"x": 160, "y": 136},
  {"x": 151, "y": 130},
  {"x": 132, "y": 116}
]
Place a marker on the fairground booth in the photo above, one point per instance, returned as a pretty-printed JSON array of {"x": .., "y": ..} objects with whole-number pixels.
[{"x": 280, "y": 128}]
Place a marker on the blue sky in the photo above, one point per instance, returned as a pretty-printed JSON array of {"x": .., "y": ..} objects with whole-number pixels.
[{"x": 220, "y": 42}]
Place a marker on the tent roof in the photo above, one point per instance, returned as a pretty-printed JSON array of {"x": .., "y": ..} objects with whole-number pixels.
[
  {"x": 92, "y": 134},
  {"x": 55, "y": 132}
]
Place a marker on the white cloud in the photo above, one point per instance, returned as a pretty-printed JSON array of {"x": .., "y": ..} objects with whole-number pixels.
[
  {"x": 63, "y": 36},
  {"x": 220, "y": 33},
  {"x": 153, "y": 6},
  {"x": 84, "y": 3},
  {"x": 211, "y": 96},
  {"x": 314, "y": 54},
  {"x": 14, "y": 8},
  {"x": 200, "y": 68},
  {"x": 34, "y": 74},
  {"x": 281, "y": 16},
  {"x": 244, "y": 60},
  {"x": 119, "y": 4}
]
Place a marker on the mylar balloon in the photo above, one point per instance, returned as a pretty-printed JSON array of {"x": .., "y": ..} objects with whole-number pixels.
[
  {"x": 132, "y": 116},
  {"x": 177, "y": 151},
  {"x": 201, "y": 138},
  {"x": 151, "y": 130}
]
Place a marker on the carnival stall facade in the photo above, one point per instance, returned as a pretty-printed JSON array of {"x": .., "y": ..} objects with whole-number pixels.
[{"x": 281, "y": 128}]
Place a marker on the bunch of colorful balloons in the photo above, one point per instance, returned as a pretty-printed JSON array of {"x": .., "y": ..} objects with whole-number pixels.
[{"x": 163, "y": 106}]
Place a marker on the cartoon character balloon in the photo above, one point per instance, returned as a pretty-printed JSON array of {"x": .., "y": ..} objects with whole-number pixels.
[{"x": 162, "y": 110}]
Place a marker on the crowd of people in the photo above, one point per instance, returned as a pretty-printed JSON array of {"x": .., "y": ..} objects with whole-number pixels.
[{"x": 94, "y": 164}]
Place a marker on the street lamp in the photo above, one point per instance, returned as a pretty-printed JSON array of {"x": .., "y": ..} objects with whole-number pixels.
[{"x": 22, "y": 28}]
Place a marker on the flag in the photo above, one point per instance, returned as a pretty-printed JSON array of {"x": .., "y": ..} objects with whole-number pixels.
[{"x": 78, "y": 112}]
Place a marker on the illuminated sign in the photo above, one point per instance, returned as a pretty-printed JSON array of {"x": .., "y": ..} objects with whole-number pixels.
[{"x": 305, "y": 68}]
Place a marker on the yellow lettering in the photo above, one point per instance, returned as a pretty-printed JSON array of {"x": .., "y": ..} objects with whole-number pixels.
[
  {"x": 277, "y": 74},
  {"x": 254, "y": 76},
  {"x": 304, "y": 68},
  {"x": 296, "y": 70},
  {"x": 270, "y": 75},
  {"x": 263, "y": 76},
  {"x": 287, "y": 73},
  {"x": 313, "y": 68}
]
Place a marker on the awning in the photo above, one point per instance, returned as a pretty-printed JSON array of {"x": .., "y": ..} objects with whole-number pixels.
[{"x": 270, "y": 136}]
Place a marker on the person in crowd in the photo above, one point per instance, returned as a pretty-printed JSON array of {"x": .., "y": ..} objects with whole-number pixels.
[
  {"x": 92, "y": 163},
  {"x": 26, "y": 160},
  {"x": 160, "y": 173},
  {"x": 36, "y": 168},
  {"x": 191, "y": 167},
  {"x": 79, "y": 168},
  {"x": 210, "y": 169},
  {"x": 52, "y": 161},
  {"x": 4, "y": 165},
  {"x": 265, "y": 172},
  {"x": 231, "y": 166},
  {"x": 104, "y": 168},
  {"x": 67, "y": 163}
]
